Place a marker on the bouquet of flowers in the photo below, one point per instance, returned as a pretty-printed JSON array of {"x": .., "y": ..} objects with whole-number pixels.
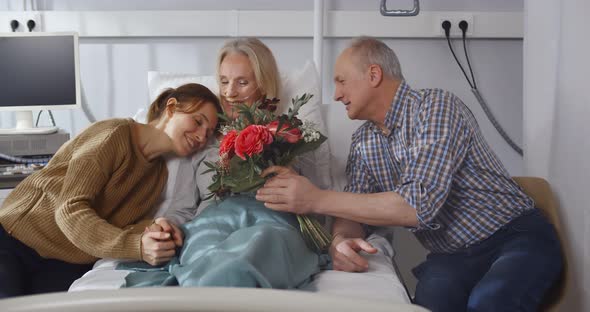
[{"x": 256, "y": 140}]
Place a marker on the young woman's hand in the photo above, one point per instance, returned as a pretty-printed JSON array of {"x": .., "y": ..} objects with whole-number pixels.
[
  {"x": 153, "y": 228},
  {"x": 159, "y": 241},
  {"x": 169, "y": 227}
]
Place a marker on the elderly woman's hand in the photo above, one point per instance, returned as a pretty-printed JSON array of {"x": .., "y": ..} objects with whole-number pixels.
[{"x": 157, "y": 247}]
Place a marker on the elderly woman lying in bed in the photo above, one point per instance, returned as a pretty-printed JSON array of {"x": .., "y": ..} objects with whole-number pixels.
[{"x": 237, "y": 241}]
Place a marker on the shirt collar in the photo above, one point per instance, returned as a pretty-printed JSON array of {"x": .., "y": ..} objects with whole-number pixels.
[{"x": 394, "y": 115}]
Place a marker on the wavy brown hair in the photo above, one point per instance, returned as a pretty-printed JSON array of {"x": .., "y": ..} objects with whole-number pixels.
[{"x": 189, "y": 97}]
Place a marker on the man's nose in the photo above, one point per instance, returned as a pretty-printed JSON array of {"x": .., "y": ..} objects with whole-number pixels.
[{"x": 337, "y": 94}]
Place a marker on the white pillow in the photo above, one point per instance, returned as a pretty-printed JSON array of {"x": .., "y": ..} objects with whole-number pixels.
[
  {"x": 160, "y": 81},
  {"x": 314, "y": 165}
]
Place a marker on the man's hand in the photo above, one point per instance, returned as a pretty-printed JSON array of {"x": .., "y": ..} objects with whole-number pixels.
[
  {"x": 345, "y": 254},
  {"x": 277, "y": 170},
  {"x": 287, "y": 191}
]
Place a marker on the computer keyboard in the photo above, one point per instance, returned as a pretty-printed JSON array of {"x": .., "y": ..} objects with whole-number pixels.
[{"x": 12, "y": 175}]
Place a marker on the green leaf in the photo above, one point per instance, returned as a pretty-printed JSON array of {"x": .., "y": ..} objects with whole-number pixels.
[
  {"x": 223, "y": 117},
  {"x": 215, "y": 186},
  {"x": 249, "y": 185},
  {"x": 209, "y": 170},
  {"x": 297, "y": 102},
  {"x": 210, "y": 164},
  {"x": 209, "y": 196}
]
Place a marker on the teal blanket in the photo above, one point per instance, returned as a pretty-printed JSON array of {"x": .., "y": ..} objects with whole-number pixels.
[{"x": 236, "y": 242}]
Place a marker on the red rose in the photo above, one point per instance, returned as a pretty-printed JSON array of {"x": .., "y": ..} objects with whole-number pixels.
[
  {"x": 227, "y": 144},
  {"x": 292, "y": 135},
  {"x": 252, "y": 140}
]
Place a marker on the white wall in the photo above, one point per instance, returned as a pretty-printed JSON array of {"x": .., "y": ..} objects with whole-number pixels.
[
  {"x": 114, "y": 70},
  {"x": 557, "y": 132},
  {"x": 116, "y": 5},
  {"x": 113, "y": 73}
]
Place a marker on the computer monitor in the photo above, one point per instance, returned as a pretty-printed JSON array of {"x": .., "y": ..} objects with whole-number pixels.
[{"x": 38, "y": 71}]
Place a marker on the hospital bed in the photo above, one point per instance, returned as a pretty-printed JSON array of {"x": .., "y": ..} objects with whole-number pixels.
[
  {"x": 197, "y": 299},
  {"x": 378, "y": 289}
]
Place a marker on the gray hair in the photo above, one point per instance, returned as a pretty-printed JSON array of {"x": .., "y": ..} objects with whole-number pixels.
[{"x": 370, "y": 51}]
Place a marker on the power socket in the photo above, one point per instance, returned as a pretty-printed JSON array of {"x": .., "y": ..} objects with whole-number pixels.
[
  {"x": 24, "y": 17},
  {"x": 455, "y": 19}
]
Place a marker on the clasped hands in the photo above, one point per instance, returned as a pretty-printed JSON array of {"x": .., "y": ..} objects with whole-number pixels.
[{"x": 160, "y": 240}]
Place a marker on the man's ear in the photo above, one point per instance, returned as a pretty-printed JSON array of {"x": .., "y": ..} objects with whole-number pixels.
[{"x": 375, "y": 75}]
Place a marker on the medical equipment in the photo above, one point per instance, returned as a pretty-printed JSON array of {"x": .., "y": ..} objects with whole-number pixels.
[{"x": 40, "y": 71}]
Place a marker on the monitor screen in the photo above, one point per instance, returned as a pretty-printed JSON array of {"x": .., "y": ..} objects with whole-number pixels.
[{"x": 38, "y": 71}]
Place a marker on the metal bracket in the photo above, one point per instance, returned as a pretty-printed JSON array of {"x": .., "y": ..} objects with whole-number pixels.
[{"x": 412, "y": 12}]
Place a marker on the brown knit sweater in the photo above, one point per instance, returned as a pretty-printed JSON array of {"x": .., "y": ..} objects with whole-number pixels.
[{"x": 93, "y": 200}]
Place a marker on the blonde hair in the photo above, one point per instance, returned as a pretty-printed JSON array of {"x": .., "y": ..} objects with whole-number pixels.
[{"x": 261, "y": 59}]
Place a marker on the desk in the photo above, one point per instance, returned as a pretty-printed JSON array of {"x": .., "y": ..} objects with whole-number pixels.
[
  {"x": 3, "y": 195},
  {"x": 10, "y": 181}
]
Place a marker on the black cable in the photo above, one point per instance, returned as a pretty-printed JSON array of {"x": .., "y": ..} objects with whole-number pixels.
[
  {"x": 447, "y": 27},
  {"x": 463, "y": 26},
  {"x": 38, "y": 116},
  {"x": 51, "y": 117}
]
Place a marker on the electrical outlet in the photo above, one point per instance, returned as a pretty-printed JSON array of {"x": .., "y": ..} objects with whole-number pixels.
[
  {"x": 24, "y": 17},
  {"x": 455, "y": 19}
]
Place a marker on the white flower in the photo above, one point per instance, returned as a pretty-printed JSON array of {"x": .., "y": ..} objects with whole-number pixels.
[
  {"x": 226, "y": 129},
  {"x": 309, "y": 131}
]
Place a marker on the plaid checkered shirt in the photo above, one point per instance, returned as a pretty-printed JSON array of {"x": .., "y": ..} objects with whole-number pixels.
[{"x": 433, "y": 154}]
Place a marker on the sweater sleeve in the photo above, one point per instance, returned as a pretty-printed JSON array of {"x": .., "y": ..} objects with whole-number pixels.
[{"x": 79, "y": 221}]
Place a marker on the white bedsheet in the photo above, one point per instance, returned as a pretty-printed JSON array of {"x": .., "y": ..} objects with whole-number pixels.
[{"x": 380, "y": 282}]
